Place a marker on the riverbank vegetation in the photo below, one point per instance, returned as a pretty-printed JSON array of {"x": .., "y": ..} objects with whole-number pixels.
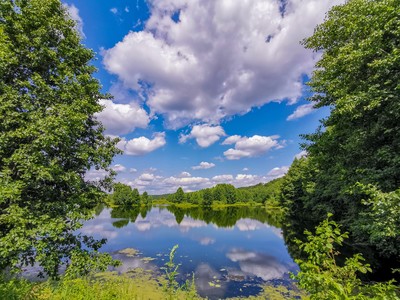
[{"x": 352, "y": 166}]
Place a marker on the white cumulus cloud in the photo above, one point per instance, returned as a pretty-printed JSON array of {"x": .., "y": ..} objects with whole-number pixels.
[
  {"x": 221, "y": 58},
  {"x": 301, "y": 111},
  {"x": 146, "y": 177},
  {"x": 226, "y": 178},
  {"x": 96, "y": 175},
  {"x": 247, "y": 180},
  {"x": 185, "y": 181},
  {"x": 277, "y": 172},
  {"x": 231, "y": 140},
  {"x": 184, "y": 174},
  {"x": 205, "y": 135},
  {"x": 142, "y": 145},
  {"x": 203, "y": 165},
  {"x": 120, "y": 119},
  {"x": 252, "y": 146},
  {"x": 301, "y": 154},
  {"x": 119, "y": 168}
]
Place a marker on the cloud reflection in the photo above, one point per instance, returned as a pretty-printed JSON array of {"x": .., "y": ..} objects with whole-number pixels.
[
  {"x": 133, "y": 262},
  {"x": 261, "y": 265},
  {"x": 250, "y": 225},
  {"x": 205, "y": 241},
  {"x": 143, "y": 225},
  {"x": 92, "y": 230},
  {"x": 205, "y": 274}
]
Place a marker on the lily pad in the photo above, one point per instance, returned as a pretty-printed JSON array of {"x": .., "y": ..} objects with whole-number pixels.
[
  {"x": 212, "y": 284},
  {"x": 130, "y": 252},
  {"x": 147, "y": 259}
]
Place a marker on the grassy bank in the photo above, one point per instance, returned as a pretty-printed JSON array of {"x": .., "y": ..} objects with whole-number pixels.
[{"x": 137, "y": 284}]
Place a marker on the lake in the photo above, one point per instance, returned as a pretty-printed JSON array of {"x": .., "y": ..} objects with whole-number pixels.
[{"x": 231, "y": 251}]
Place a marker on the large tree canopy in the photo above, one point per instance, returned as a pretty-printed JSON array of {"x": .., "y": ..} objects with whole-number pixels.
[
  {"x": 353, "y": 164},
  {"x": 49, "y": 137},
  {"x": 359, "y": 77}
]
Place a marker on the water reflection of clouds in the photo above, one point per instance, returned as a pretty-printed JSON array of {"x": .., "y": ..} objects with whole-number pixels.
[
  {"x": 142, "y": 225},
  {"x": 261, "y": 265},
  {"x": 250, "y": 225},
  {"x": 96, "y": 229},
  {"x": 188, "y": 223},
  {"x": 277, "y": 232},
  {"x": 205, "y": 241},
  {"x": 104, "y": 215},
  {"x": 205, "y": 274},
  {"x": 100, "y": 226},
  {"x": 130, "y": 263}
]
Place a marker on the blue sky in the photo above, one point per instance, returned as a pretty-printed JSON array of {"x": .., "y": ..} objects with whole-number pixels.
[{"x": 206, "y": 91}]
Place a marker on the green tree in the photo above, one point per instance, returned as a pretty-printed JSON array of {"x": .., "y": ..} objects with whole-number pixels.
[
  {"x": 230, "y": 193},
  {"x": 135, "y": 197},
  {"x": 171, "y": 197},
  {"x": 179, "y": 196},
  {"x": 123, "y": 195},
  {"x": 358, "y": 77},
  {"x": 219, "y": 193},
  {"x": 195, "y": 198},
  {"x": 207, "y": 197},
  {"x": 145, "y": 198},
  {"x": 298, "y": 189},
  {"x": 323, "y": 278},
  {"x": 359, "y": 143},
  {"x": 378, "y": 219},
  {"x": 49, "y": 136}
]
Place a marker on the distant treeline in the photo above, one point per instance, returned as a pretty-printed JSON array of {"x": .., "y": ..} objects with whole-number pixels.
[
  {"x": 228, "y": 194},
  {"x": 124, "y": 195}
]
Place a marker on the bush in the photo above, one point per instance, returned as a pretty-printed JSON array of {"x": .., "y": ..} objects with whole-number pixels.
[{"x": 323, "y": 278}]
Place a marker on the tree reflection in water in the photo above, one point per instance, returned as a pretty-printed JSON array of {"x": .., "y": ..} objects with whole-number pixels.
[
  {"x": 128, "y": 214},
  {"x": 228, "y": 216},
  {"x": 222, "y": 217}
]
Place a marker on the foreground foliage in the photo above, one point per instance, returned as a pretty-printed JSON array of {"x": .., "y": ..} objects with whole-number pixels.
[
  {"x": 137, "y": 284},
  {"x": 134, "y": 284},
  {"x": 49, "y": 137},
  {"x": 324, "y": 278}
]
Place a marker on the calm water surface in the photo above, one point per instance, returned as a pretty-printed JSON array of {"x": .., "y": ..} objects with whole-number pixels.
[{"x": 230, "y": 251}]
